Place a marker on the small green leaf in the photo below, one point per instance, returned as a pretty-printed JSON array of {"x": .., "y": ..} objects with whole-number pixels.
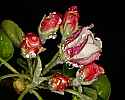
[
  {"x": 13, "y": 31},
  {"x": 90, "y": 92},
  {"x": 103, "y": 87},
  {"x": 37, "y": 72},
  {"x": 75, "y": 97},
  {"x": 6, "y": 47}
]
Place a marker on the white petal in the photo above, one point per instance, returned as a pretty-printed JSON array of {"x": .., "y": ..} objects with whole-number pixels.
[
  {"x": 88, "y": 50},
  {"x": 82, "y": 36}
]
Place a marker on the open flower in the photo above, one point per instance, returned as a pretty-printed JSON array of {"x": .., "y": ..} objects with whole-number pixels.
[
  {"x": 31, "y": 45},
  {"x": 49, "y": 25},
  {"x": 59, "y": 82},
  {"x": 81, "y": 48},
  {"x": 89, "y": 73},
  {"x": 70, "y": 21}
]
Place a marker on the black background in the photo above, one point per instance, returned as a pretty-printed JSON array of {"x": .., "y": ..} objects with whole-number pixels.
[{"x": 108, "y": 18}]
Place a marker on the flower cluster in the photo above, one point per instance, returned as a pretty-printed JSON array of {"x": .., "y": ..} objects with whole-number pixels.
[{"x": 79, "y": 49}]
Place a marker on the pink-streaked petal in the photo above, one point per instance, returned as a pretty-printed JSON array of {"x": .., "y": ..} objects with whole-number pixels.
[
  {"x": 80, "y": 37},
  {"x": 94, "y": 71},
  {"x": 72, "y": 37},
  {"x": 70, "y": 21},
  {"x": 31, "y": 45},
  {"x": 82, "y": 48},
  {"x": 50, "y": 22},
  {"x": 89, "y": 73},
  {"x": 84, "y": 61},
  {"x": 75, "y": 50},
  {"x": 87, "y": 51}
]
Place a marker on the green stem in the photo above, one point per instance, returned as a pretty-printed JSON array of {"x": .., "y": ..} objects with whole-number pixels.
[
  {"x": 37, "y": 95},
  {"x": 24, "y": 93},
  {"x": 9, "y": 66},
  {"x": 81, "y": 96},
  {"x": 80, "y": 89},
  {"x": 34, "y": 65},
  {"x": 15, "y": 75},
  {"x": 51, "y": 64},
  {"x": 42, "y": 79},
  {"x": 73, "y": 92},
  {"x": 42, "y": 87},
  {"x": 29, "y": 61}
]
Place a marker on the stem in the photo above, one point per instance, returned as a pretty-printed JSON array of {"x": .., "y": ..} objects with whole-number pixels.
[
  {"x": 73, "y": 92},
  {"x": 14, "y": 75},
  {"x": 9, "y": 66},
  {"x": 30, "y": 66},
  {"x": 81, "y": 96},
  {"x": 34, "y": 65},
  {"x": 43, "y": 87},
  {"x": 37, "y": 95},
  {"x": 51, "y": 64},
  {"x": 23, "y": 93},
  {"x": 80, "y": 89},
  {"x": 42, "y": 79}
]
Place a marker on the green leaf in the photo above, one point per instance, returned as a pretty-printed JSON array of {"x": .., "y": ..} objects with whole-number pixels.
[
  {"x": 36, "y": 77},
  {"x": 75, "y": 97},
  {"x": 83, "y": 97},
  {"x": 6, "y": 47},
  {"x": 103, "y": 87},
  {"x": 13, "y": 31},
  {"x": 78, "y": 96},
  {"x": 90, "y": 92}
]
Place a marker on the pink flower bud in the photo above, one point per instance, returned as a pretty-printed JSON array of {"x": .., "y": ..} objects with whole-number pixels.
[
  {"x": 81, "y": 48},
  {"x": 59, "y": 82},
  {"x": 31, "y": 45},
  {"x": 49, "y": 25},
  {"x": 70, "y": 21},
  {"x": 89, "y": 72}
]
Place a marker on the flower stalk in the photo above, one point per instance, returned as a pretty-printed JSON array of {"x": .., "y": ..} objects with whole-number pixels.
[
  {"x": 24, "y": 93},
  {"x": 30, "y": 67},
  {"x": 36, "y": 94},
  {"x": 51, "y": 64},
  {"x": 81, "y": 96},
  {"x": 9, "y": 66},
  {"x": 15, "y": 75}
]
